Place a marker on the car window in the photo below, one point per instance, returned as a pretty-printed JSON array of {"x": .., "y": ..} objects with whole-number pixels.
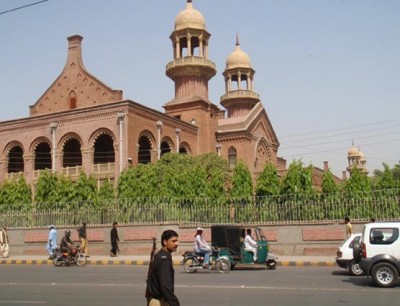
[
  {"x": 356, "y": 239},
  {"x": 383, "y": 235}
]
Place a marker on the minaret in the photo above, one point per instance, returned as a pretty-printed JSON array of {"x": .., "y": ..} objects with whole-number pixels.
[
  {"x": 191, "y": 70},
  {"x": 356, "y": 159},
  {"x": 239, "y": 98}
]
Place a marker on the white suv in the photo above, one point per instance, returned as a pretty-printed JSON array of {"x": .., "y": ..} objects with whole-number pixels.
[
  {"x": 379, "y": 252},
  {"x": 344, "y": 258}
]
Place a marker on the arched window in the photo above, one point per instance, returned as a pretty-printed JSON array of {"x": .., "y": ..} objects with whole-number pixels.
[
  {"x": 15, "y": 160},
  {"x": 72, "y": 153},
  {"x": 144, "y": 153},
  {"x": 42, "y": 156},
  {"x": 165, "y": 148},
  {"x": 104, "y": 150},
  {"x": 72, "y": 100},
  {"x": 232, "y": 158}
]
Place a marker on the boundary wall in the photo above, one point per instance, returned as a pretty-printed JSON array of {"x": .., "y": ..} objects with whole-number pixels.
[{"x": 318, "y": 239}]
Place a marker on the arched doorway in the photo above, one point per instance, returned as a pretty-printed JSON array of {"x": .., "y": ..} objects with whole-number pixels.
[
  {"x": 15, "y": 160},
  {"x": 144, "y": 153},
  {"x": 104, "y": 150},
  {"x": 184, "y": 148},
  {"x": 165, "y": 147},
  {"x": 72, "y": 153},
  {"x": 42, "y": 156}
]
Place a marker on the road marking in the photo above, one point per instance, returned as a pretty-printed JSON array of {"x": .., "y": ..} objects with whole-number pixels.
[
  {"x": 22, "y": 302},
  {"x": 208, "y": 287}
]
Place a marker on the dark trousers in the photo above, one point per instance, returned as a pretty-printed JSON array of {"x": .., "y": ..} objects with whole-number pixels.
[{"x": 114, "y": 247}]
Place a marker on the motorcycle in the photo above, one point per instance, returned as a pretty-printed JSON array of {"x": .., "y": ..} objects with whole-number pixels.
[
  {"x": 193, "y": 262},
  {"x": 75, "y": 257}
]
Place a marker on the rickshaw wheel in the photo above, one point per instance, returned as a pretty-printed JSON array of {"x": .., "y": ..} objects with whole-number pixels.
[
  {"x": 271, "y": 264},
  {"x": 223, "y": 265},
  {"x": 190, "y": 263}
]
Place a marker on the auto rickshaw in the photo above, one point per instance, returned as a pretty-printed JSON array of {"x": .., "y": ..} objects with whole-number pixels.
[{"x": 229, "y": 240}]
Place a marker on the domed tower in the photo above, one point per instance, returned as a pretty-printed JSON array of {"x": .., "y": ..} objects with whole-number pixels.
[
  {"x": 356, "y": 159},
  {"x": 246, "y": 133},
  {"x": 191, "y": 70},
  {"x": 239, "y": 98}
]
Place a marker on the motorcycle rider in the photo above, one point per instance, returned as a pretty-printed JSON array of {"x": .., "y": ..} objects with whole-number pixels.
[
  {"x": 66, "y": 244},
  {"x": 201, "y": 247}
]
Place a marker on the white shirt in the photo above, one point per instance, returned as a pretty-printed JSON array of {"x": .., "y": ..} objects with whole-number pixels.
[
  {"x": 200, "y": 244},
  {"x": 249, "y": 243}
]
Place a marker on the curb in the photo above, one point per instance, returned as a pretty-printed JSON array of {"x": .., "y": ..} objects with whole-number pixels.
[{"x": 296, "y": 263}]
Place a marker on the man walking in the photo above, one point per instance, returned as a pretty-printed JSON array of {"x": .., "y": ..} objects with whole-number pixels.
[
  {"x": 349, "y": 227},
  {"x": 114, "y": 240},
  {"x": 84, "y": 247},
  {"x": 4, "y": 242},
  {"x": 160, "y": 282},
  {"x": 52, "y": 241}
]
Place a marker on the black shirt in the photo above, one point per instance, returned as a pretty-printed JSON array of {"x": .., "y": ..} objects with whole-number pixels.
[
  {"x": 114, "y": 235},
  {"x": 82, "y": 232},
  {"x": 160, "y": 284},
  {"x": 65, "y": 241}
]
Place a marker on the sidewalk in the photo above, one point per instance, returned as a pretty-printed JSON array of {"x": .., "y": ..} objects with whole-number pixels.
[{"x": 285, "y": 261}]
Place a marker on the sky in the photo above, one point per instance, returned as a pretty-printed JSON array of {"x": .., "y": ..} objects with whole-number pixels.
[{"x": 327, "y": 71}]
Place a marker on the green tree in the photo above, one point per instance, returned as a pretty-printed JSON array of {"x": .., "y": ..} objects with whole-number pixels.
[
  {"x": 177, "y": 176},
  {"x": 65, "y": 192},
  {"x": 46, "y": 195},
  {"x": 329, "y": 185},
  {"x": 385, "y": 180},
  {"x": 106, "y": 194},
  {"x": 357, "y": 184},
  {"x": 213, "y": 171},
  {"x": 298, "y": 180},
  {"x": 242, "y": 182},
  {"x": 268, "y": 183},
  {"x": 84, "y": 191},
  {"x": 15, "y": 195}
]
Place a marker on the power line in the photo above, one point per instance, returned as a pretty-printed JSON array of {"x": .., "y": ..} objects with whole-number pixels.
[
  {"x": 22, "y": 7},
  {"x": 338, "y": 129},
  {"x": 345, "y": 133},
  {"x": 286, "y": 146}
]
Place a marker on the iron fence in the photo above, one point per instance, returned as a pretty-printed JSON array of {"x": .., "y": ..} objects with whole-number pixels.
[{"x": 384, "y": 205}]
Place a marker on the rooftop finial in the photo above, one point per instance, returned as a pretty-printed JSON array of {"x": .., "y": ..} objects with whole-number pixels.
[
  {"x": 237, "y": 39},
  {"x": 189, "y": 1}
]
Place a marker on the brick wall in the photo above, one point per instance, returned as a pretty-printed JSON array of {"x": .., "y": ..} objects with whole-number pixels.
[{"x": 299, "y": 239}]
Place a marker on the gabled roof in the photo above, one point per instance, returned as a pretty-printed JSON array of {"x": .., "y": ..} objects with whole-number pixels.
[
  {"x": 77, "y": 81},
  {"x": 256, "y": 122}
]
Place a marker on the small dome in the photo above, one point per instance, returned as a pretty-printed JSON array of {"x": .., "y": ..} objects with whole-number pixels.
[
  {"x": 353, "y": 152},
  {"x": 190, "y": 18},
  {"x": 238, "y": 59}
]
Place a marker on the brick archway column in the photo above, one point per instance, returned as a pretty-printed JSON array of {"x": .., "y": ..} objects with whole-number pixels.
[
  {"x": 153, "y": 156},
  {"x": 29, "y": 166},
  {"x": 87, "y": 159},
  {"x": 59, "y": 161},
  {"x": 3, "y": 169}
]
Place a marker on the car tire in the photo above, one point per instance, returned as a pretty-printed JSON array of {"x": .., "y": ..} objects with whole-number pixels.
[
  {"x": 355, "y": 269},
  {"x": 384, "y": 275}
]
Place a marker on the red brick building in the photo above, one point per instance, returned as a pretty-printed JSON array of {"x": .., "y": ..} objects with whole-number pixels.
[{"x": 81, "y": 123}]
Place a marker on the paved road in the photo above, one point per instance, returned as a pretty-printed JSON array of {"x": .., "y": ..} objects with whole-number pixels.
[{"x": 124, "y": 285}]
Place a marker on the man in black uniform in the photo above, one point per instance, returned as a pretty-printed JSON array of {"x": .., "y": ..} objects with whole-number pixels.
[
  {"x": 66, "y": 244},
  {"x": 160, "y": 282}
]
